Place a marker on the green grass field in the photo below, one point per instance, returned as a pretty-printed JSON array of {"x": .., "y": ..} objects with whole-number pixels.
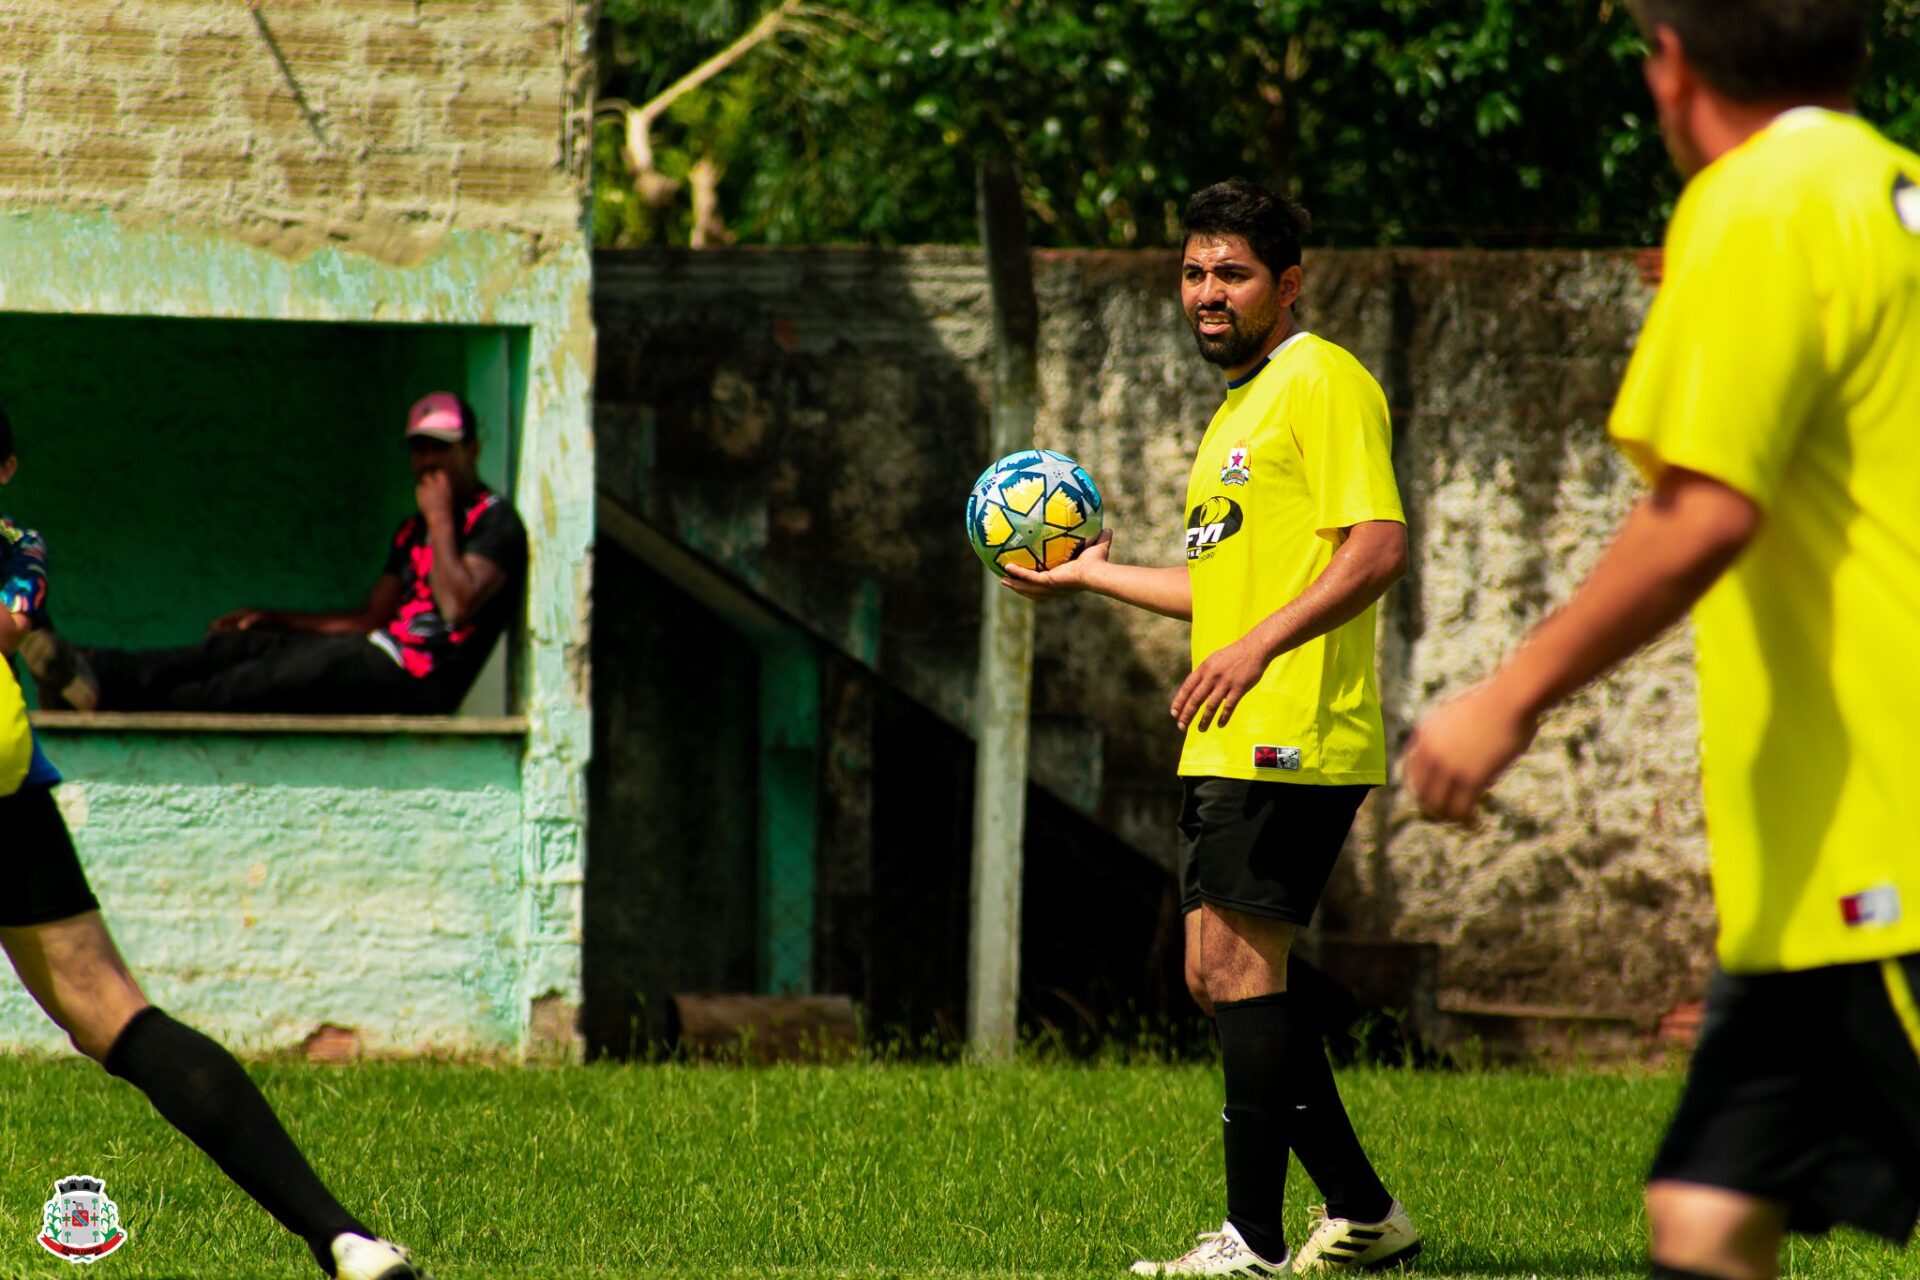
[{"x": 840, "y": 1171}]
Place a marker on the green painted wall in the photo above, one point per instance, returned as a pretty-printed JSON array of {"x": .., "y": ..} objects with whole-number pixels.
[
  {"x": 424, "y": 889},
  {"x": 181, "y": 468},
  {"x": 264, "y": 884}
]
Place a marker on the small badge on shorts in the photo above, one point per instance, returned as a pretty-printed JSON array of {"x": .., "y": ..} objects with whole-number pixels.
[
  {"x": 1287, "y": 758},
  {"x": 1871, "y": 908}
]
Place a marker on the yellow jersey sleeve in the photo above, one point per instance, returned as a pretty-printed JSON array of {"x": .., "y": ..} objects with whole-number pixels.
[
  {"x": 16, "y": 735},
  {"x": 1345, "y": 441},
  {"x": 1729, "y": 367}
]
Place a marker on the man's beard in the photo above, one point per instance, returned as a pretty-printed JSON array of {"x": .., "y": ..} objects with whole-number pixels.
[{"x": 1237, "y": 346}]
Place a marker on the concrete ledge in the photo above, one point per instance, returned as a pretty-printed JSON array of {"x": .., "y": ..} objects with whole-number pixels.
[{"x": 226, "y": 722}]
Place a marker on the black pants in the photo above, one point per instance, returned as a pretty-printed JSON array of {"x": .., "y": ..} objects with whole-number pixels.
[{"x": 268, "y": 671}]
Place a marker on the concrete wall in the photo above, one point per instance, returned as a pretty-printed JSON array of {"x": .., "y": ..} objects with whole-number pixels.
[
  {"x": 348, "y": 167},
  {"x": 810, "y": 422},
  {"x": 265, "y": 884}
]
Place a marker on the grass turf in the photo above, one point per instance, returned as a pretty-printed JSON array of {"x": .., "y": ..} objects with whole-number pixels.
[{"x": 868, "y": 1171}]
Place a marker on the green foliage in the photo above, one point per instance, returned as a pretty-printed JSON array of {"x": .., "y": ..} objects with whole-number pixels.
[{"x": 1492, "y": 122}]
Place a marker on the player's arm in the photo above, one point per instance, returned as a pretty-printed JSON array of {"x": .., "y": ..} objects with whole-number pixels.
[
  {"x": 1370, "y": 558},
  {"x": 461, "y": 584},
  {"x": 381, "y": 604},
  {"x": 13, "y": 629},
  {"x": 1165, "y": 591},
  {"x": 1674, "y": 545}
]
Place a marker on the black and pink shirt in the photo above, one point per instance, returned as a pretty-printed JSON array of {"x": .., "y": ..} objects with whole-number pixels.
[{"x": 418, "y": 638}]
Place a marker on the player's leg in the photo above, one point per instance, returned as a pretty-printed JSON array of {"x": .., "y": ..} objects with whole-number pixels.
[
  {"x": 1196, "y": 977},
  {"x": 1256, "y": 1142},
  {"x": 309, "y": 675},
  {"x": 1268, "y": 866},
  {"x": 1712, "y": 1232},
  {"x": 1244, "y": 966},
  {"x": 58, "y": 943},
  {"x": 1801, "y": 1111},
  {"x": 107, "y": 679}
]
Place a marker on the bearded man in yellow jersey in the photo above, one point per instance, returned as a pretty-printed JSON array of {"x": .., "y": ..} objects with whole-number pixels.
[
  {"x": 1773, "y": 403},
  {"x": 1294, "y": 530}
]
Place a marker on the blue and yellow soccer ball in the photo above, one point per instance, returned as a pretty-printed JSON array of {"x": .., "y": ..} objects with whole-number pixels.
[{"x": 1035, "y": 508}]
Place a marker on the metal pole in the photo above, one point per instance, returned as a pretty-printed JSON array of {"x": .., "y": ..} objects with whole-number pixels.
[{"x": 1002, "y": 692}]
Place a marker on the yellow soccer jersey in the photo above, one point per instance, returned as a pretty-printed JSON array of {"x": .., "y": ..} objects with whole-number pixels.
[
  {"x": 1782, "y": 357},
  {"x": 1299, "y": 451}
]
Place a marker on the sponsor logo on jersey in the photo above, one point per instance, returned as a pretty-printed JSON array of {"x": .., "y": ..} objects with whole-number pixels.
[
  {"x": 1287, "y": 758},
  {"x": 1871, "y": 908},
  {"x": 80, "y": 1224},
  {"x": 1239, "y": 468},
  {"x": 1210, "y": 524}
]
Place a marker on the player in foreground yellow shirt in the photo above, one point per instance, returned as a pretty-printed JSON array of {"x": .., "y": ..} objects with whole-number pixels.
[
  {"x": 1773, "y": 403},
  {"x": 1294, "y": 529}
]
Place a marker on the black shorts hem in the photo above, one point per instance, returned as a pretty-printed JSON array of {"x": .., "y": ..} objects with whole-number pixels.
[
  {"x": 52, "y": 915},
  {"x": 1286, "y": 915},
  {"x": 1804, "y": 1091},
  {"x": 41, "y": 880},
  {"x": 1263, "y": 847}
]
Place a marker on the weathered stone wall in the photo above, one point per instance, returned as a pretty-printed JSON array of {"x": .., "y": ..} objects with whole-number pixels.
[
  {"x": 811, "y": 421},
  {"x": 374, "y": 125}
]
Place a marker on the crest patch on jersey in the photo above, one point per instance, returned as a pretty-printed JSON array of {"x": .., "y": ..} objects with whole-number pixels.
[{"x": 1239, "y": 468}]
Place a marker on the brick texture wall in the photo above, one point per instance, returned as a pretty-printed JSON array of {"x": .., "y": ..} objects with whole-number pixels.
[{"x": 375, "y": 125}]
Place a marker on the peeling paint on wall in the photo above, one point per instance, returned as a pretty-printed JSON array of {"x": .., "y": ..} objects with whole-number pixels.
[{"x": 319, "y": 163}]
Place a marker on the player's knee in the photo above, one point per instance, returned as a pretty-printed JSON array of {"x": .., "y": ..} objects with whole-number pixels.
[
  {"x": 1697, "y": 1230},
  {"x": 1197, "y": 988}
]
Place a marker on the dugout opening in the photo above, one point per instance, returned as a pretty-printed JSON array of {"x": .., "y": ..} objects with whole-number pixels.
[{"x": 180, "y": 468}]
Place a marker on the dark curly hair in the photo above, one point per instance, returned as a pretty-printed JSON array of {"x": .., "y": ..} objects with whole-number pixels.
[
  {"x": 1271, "y": 224},
  {"x": 1766, "y": 50}
]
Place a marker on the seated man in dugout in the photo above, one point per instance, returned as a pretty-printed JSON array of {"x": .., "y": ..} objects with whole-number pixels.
[{"x": 452, "y": 584}]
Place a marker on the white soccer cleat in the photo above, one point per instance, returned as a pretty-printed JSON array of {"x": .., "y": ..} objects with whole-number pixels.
[
  {"x": 1219, "y": 1253},
  {"x": 359, "y": 1258},
  {"x": 1341, "y": 1244}
]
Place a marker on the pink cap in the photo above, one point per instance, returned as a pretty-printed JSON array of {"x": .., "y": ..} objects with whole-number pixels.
[{"x": 439, "y": 416}]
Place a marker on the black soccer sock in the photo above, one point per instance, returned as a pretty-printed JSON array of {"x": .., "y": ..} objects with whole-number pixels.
[
  {"x": 199, "y": 1089},
  {"x": 1253, "y": 1058},
  {"x": 1322, "y": 1135}
]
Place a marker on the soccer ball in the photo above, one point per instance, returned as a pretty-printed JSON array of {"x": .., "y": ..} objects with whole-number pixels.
[{"x": 1035, "y": 508}]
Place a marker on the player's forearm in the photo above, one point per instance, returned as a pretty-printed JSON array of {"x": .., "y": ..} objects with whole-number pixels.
[
  {"x": 1672, "y": 547},
  {"x": 450, "y": 580},
  {"x": 1165, "y": 591},
  {"x": 1358, "y": 574}
]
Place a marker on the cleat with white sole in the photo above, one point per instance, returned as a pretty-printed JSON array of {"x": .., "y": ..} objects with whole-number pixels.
[
  {"x": 1219, "y": 1253},
  {"x": 362, "y": 1258},
  {"x": 1341, "y": 1244}
]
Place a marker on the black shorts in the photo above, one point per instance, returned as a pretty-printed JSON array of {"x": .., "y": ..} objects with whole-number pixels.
[
  {"x": 1805, "y": 1090},
  {"x": 40, "y": 876},
  {"x": 1265, "y": 848}
]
